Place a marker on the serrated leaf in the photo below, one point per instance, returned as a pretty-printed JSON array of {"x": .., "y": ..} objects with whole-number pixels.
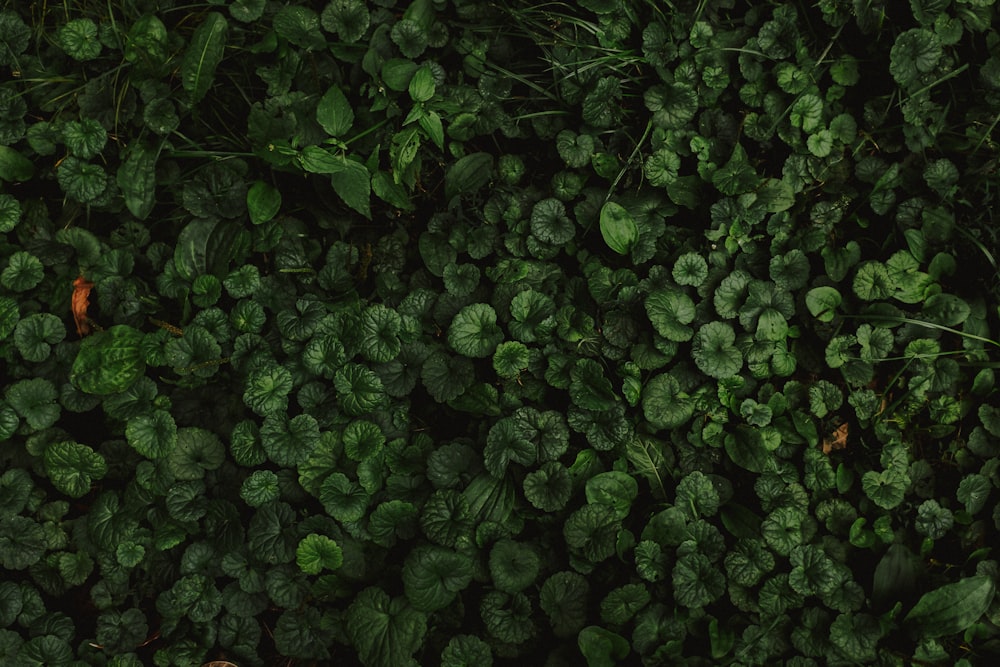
[{"x": 203, "y": 56}]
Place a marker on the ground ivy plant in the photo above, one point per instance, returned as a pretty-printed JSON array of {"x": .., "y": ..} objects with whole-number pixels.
[{"x": 460, "y": 332}]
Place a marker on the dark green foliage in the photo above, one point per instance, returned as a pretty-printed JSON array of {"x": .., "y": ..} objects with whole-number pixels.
[{"x": 473, "y": 333}]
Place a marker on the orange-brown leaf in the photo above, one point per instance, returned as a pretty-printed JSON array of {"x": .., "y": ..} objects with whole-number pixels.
[
  {"x": 79, "y": 304},
  {"x": 836, "y": 440}
]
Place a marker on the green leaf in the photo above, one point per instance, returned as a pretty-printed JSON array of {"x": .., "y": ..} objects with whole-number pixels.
[
  {"x": 952, "y": 608},
  {"x": 468, "y": 174},
  {"x": 10, "y": 214},
  {"x": 385, "y": 631},
  {"x": 78, "y": 38},
  {"x": 203, "y": 56},
  {"x": 318, "y": 552},
  {"x": 300, "y": 26},
  {"x": 153, "y": 435},
  {"x": 334, "y": 112},
  {"x": 136, "y": 179},
  {"x": 601, "y": 647},
  {"x": 352, "y": 183},
  {"x": 35, "y": 401},
  {"x": 433, "y": 576},
  {"x": 474, "y": 332},
  {"x": 73, "y": 467},
  {"x": 886, "y": 489},
  {"x": 589, "y": 388},
  {"x": 673, "y": 105},
  {"x": 550, "y": 224},
  {"x": 85, "y": 138},
  {"x": 260, "y": 488},
  {"x": 22, "y": 542},
  {"x": 363, "y": 440},
  {"x": 81, "y": 180},
  {"x": 822, "y": 302},
  {"x": 23, "y": 272},
  {"x": 263, "y": 202},
  {"x": 619, "y": 230},
  {"x": 267, "y": 390},
  {"x": 663, "y": 403},
  {"x": 616, "y": 490},
  {"x": 35, "y": 335},
  {"x": 109, "y": 361},
  {"x": 421, "y": 86},
  {"x": 748, "y": 449},
  {"x": 14, "y": 167},
  {"x": 671, "y": 311},
  {"x": 348, "y": 18},
  {"x": 197, "y": 451},
  {"x": 714, "y": 351}
]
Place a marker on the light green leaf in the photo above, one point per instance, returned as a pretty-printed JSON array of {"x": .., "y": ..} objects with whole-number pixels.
[
  {"x": 618, "y": 228},
  {"x": 318, "y": 552},
  {"x": 822, "y": 302},
  {"x": 109, "y": 361}
]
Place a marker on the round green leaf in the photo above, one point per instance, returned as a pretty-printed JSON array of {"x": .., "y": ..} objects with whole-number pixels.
[
  {"x": 78, "y": 38},
  {"x": 85, "y": 138},
  {"x": 23, "y": 272},
  {"x": 153, "y": 435},
  {"x": 670, "y": 311},
  {"x": 109, "y": 361},
  {"x": 35, "y": 335},
  {"x": 363, "y": 440},
  {"x": 73, "y": 467},
  {"x": 318, "y": 552},
  {"x": 349, "y": 19},
  {"x": 714, "y": 351},
  {"x": 81, "y": 180},
  {"x": 474, "y": 331}
]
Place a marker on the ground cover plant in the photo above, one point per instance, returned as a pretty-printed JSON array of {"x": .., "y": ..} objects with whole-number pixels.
[{"x": 488, "y": 333}]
